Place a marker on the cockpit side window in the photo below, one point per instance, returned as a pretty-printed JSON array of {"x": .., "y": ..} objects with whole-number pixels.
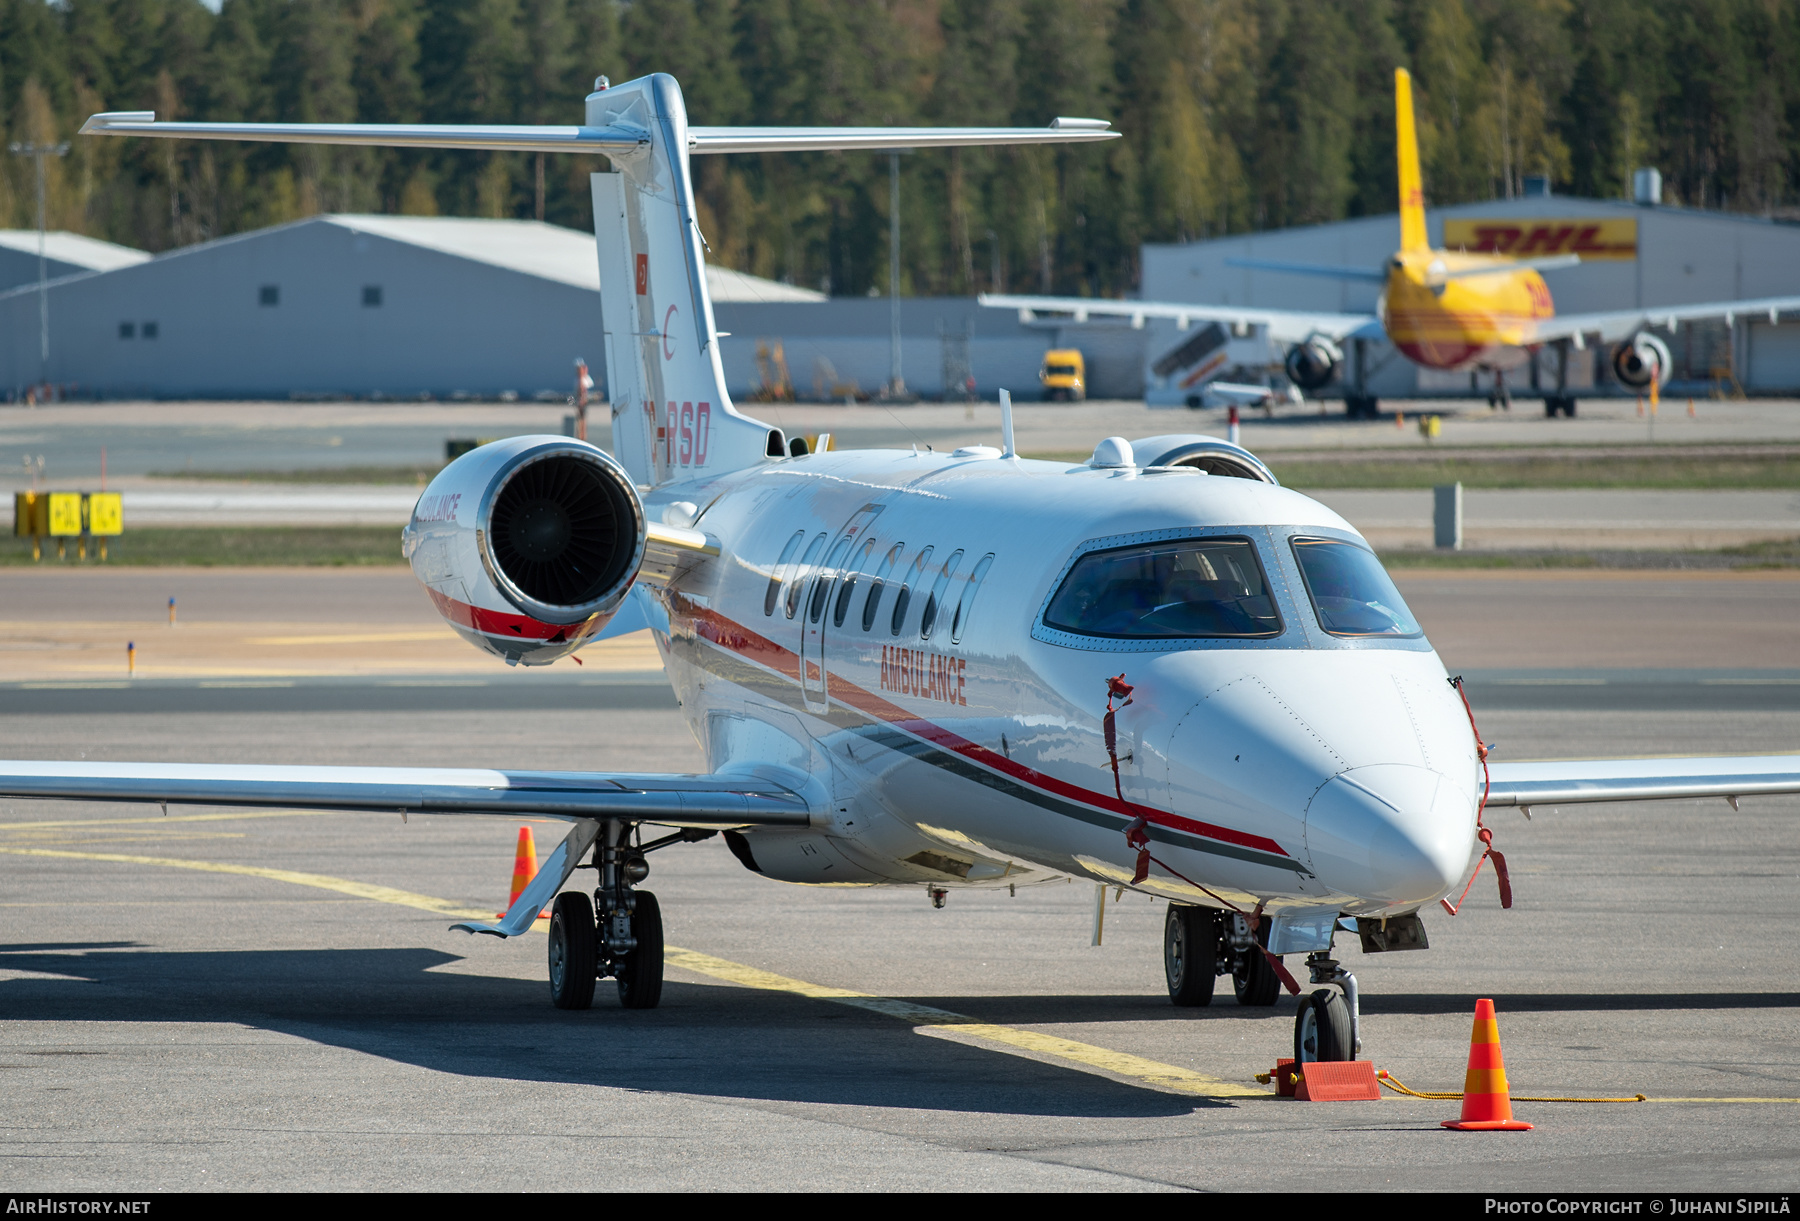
[
  {"x": 1351, "y": 592},
  {"x": 1180, "y": 589}
]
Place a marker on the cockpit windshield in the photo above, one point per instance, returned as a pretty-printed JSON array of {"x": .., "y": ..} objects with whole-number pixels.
[
  {"x": 1350, "y": 590},
  {"x": 1195, "y": 587}
]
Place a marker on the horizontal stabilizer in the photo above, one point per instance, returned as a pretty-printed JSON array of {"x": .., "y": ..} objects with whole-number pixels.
[
  {"x": 1553, "y": 262},
  {"x": 618, "y": 138},
  {"x": 1373, "y": 274},
  {"x": 517, "y": 139},
  {"x": 845, "y": 139}
]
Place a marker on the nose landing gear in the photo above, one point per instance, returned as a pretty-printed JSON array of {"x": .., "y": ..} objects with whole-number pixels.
[{"x": 1328, "y": 1026}]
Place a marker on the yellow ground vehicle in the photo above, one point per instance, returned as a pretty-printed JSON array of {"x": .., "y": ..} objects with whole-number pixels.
[{"x": 1064, "y": 375}]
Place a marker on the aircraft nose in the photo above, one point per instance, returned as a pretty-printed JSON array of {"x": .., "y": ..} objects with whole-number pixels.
[{"x": 1391, "y": 832}]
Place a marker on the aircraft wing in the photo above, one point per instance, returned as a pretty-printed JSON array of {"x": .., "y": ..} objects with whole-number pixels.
[
  {"x": 1284, "y": 326},
  {"x": 1578, "y": 781},
  {"x": 1617, "y": 325},
  {"x": 677, "y": 800},
  {"x": 582, "y": 798}
]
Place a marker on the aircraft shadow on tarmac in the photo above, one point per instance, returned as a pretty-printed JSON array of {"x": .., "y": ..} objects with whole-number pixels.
[{"x": 705, "y": 1040}]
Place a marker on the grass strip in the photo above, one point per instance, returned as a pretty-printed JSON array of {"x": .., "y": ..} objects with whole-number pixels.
[
  {"x": 226, "y": 547},
  {"x": 1778, "y": 554},
  {"x": 418, "y": 473},
  {"x": 1672, "y": 471}
]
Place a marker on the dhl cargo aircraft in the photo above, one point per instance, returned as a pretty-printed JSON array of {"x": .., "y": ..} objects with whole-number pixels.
[
  {"x": 1444, "y": 309},
  {"x": 1155, "y": 669}
]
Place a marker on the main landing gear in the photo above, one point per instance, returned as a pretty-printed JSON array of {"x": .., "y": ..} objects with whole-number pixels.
[
  {"x": 618, "y": 933},
  {"x": 1201, "y": 944}
]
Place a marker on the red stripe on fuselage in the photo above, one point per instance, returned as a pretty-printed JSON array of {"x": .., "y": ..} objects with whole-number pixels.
[{"x": 711, "y": 626}]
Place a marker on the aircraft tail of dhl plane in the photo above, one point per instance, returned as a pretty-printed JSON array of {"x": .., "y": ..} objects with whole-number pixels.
[{"x": 1443, "y": 309}]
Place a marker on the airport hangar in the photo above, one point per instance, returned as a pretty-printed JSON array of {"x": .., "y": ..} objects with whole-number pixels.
[
  {"x": 1652, "y": 255},
  {"x": 402, "y": 307}
]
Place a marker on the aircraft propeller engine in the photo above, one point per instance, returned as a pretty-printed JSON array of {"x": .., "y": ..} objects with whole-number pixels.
[
  {"x": 1311, "y": 364},
  {"x": 528, "y": 546},
  {"x": 1634, "y": 362}
]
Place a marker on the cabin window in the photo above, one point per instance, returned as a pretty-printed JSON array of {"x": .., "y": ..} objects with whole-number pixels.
[
  {"x": 872, "y": 603},
  {"x": 928, "y": 620},
  {"x": 849, "y": 586},
  {"x": 798, "y": 581},
  {"x": 903, "y": 599},
  {"x": 1351, "y": 592},
  {"x": 821, "y": 596},
  {"x": 787, "y": 553},
  {"x": 1183, "y": 589},
  {"x": 269, "y": 294},
  {"x": 965, "y": 606}
]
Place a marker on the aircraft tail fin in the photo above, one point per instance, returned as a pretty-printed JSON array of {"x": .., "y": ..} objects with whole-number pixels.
[
  {"x": 672, "y": 416},
  {"x": 1406, "y": 150}
]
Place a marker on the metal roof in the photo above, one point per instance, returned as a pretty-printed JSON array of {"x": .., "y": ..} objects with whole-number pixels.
[
  {"x": 73, "y": 249},
  {"x": 548, "y": 251}
]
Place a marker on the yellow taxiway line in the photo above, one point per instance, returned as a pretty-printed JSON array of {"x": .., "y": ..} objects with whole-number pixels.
[{"x": 927, "y": 1019}]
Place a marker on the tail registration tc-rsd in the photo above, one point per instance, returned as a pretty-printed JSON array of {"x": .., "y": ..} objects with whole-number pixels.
[{"x": 1157, "y": 669}]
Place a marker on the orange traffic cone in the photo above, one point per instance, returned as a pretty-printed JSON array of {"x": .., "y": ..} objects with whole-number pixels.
[
  {"x": 525, "y": 868},
  {"x": 1487, "y": 1103}
]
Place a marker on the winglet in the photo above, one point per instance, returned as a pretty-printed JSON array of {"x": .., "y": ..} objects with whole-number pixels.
[{"x": 1406, "y": 152}]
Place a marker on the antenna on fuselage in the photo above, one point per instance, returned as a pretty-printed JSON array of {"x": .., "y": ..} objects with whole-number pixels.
[{"x": 1006, "y": 431}]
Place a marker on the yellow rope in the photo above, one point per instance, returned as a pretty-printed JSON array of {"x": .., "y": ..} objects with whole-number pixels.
[{"x": 1395, "y": 1084}]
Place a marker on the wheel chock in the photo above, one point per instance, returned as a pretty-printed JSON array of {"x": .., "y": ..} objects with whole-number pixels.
[
  {"x": 1336, "y": 1081},
  {"x": 1284, "y": 1076}
]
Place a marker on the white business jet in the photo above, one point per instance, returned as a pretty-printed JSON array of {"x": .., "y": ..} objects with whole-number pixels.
[{"x": 1156, "y": 669}]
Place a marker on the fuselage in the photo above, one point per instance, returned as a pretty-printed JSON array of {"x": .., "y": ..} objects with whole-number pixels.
[
  {"x": 1462, "y": 321},
  {"x": 877, "y": 627}
]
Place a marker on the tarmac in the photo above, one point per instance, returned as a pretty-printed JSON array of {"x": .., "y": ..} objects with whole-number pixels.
[{"x": 228, "y": 1000}]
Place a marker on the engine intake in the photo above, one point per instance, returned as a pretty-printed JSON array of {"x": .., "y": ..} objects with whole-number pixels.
[
  {"x": 555, "y": 531},
  {"x": 1643, "y": 357},
  {"x": 1311, "y": 364},
  {"x": 528, "y": 546}
]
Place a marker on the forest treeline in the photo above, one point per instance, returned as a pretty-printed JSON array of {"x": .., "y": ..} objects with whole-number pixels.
[{"x": 1238, "y": 115}]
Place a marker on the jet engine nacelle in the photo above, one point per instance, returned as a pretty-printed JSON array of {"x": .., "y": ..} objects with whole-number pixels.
[
  {"x": 528, "y": 546},
  {"x": 1311, "y": 364},
  {"x": 1644, "y": 357}
]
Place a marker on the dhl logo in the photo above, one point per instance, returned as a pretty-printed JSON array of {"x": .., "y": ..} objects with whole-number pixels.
[{"x": 1593, "y": 240}]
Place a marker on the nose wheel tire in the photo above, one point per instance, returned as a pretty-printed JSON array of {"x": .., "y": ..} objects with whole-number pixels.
[
  {"x": 572, "y": 959},
  {"x": 1322, "y": 1029},
  {"x": 1190, "y": 954},
  {"x": 641, "y": 971}
]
